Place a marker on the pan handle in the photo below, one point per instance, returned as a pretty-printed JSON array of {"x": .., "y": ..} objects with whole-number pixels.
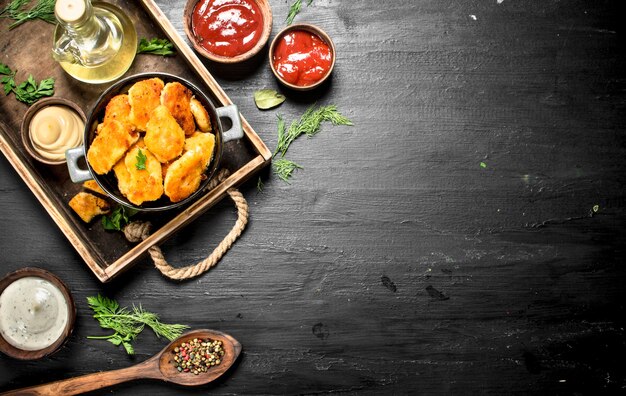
[
  {"x": 77, "y": 174},
  {"x": 231, "y": 112}
]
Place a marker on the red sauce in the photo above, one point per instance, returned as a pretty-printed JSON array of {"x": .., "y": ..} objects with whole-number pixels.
[
  {"x": 227, "y": 27},
  {"x": 302, "y": 58}
]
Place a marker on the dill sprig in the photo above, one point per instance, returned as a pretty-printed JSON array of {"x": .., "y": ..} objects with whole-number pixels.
[
  {"x": 16, "y": 10},
  {"x": 284, "y": 168},
  {"x": 295, "y": 10},
  {"x": 128, "y": 324},
  {"x": 308, "y": 124}
]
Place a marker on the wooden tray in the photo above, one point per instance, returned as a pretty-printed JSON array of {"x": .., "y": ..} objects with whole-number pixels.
[{"x": 27, "y": 49}]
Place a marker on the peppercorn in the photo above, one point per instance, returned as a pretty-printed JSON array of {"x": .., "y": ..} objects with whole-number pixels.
[{"x": 197, "y": 355}]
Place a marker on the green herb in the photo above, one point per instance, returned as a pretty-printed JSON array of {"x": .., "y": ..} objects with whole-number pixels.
[
  {"x": 308, "y": 124},
  {"x": 156, "y": 46},
  {"x": 141, "y": 160},
  {"x": 267, "y": 98},
  {"x": 295, "y": 10},
  {"x": 29, "y": 91},
  {"x": 483, "y": 165},
  {"x": 283, "y": 168},
  {"x": 16, "y": 10},
  {"x": 128, "y": 324},
  {"x": 260, "y": 185},
  {"x": 118, "y": 218}
]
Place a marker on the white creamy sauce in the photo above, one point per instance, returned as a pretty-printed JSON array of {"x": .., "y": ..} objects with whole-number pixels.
[
  {"x": 33, "y": 313},
  {"x": 54, "y": 129}
]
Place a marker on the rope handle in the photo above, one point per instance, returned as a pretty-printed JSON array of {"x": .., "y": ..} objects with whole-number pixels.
[{"x": 139, "y": 230}]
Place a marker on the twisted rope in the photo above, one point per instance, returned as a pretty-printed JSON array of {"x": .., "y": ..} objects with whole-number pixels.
[{"x": 139, "y": 230}]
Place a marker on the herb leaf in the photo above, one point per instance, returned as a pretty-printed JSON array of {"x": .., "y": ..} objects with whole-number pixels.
[
  {"x": 43, "y": 9},
  {"x": 127, "y": 324},
  {"x": 119, "y": 217},
  {"x": 309, "y": 124},
  {"x": 295, "y": 10},
  {"x": 141, "y": 160},
  {"x": 27, "y": 92},
  {"x": 267, "y": 98},
  {"x": 284, "y": 168},
  {"x": 156, "y": 46}
]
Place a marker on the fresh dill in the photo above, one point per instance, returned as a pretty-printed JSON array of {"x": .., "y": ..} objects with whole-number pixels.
[
  {"x": 260, "y": 185},
  {"x": 128, "y": 324},
  {"x": 295, "y": 10},
  {"x": 308, "y": 124},
  {"x": 16, "y": 10},
  {"x": 284, "y": 168}
]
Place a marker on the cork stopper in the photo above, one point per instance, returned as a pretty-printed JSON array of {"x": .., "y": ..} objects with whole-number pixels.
[{"x": 70, "y": 11}]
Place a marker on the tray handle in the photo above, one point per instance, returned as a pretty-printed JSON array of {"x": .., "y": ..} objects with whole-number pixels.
[
  {"x": 77, "y": 174},
  {"x": 231, "y": 112}
]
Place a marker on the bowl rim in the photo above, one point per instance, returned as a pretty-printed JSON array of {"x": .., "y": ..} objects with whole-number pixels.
[
  {"x": 309, "y": 27},
  {"x": 266, "y": 14},
  {"x": 22, "y": 354},
  {"x": 118, "y": 88},
  {"x": 34, "y": 109}
]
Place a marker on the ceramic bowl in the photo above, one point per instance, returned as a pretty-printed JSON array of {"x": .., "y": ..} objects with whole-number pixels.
[
  {"x": 28, "y": 116},
  {"x": 22, "y": 354},
  {"x": 109, "y": 182},
  {"x": 266, "y": 12},
  {"x": 308, "y": 28}
]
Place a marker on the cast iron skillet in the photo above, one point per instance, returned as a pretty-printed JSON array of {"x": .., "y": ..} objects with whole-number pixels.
[{"x": 108, "y": 182}]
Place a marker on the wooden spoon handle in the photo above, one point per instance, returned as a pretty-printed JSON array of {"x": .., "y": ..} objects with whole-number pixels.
[{"x": 89, "y": 382}]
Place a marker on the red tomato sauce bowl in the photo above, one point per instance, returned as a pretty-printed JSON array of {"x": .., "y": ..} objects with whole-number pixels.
[
  {"x": 302, "y": 56},
  {"x": 228, "y": 31}
]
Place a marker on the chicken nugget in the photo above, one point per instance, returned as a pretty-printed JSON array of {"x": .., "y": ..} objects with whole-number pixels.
[
  {"x": 110, "y": 145},
  {"x": 118, "y": 108},
  {"x": 123, "y": 177},
  {"x": 202, "y": 142},
  {"x": 145, "y": 178},
  {"x": 176, "y": 97},
  {"x": 94, "y": 186},
  {"x": 88, "y": 206},
  {"x": 184, "y": 176},
  {"x": 164, "y": 137},
  {"x": 203, "y": 121},
  {"x": 144, "y": 96}
]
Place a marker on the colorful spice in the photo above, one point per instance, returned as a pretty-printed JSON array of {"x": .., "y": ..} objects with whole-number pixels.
[{"x": 197, "y": 355}]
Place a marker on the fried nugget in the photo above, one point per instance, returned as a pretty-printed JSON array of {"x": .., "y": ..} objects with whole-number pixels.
[
  {"x": 176, "y": 97},
  {"x": 123, "y": 177},
  {"x": 184, "y": 176},
  {"x": 88, "y": 206},
  {"x": 118, "y": 108},
  {"x": 144, "y": 96},
  {"x": 93, "y": 186},
  {"x": 202, "y": 142},
  {"x": 144, "y": 184},
  {"x": 110, "y": 145},
  {"x": 203, "y": 121},
  {"x": 164, "y": 137}
]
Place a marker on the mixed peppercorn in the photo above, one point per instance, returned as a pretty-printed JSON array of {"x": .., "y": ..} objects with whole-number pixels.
[{"x": 198, "y": 355}]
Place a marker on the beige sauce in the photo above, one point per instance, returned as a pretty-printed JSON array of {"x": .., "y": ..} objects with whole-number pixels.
[
  {"x": 54, "y": 129},
  {"x": 33, "y": 313}
]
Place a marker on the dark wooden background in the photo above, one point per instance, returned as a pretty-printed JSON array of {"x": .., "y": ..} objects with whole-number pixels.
[{"x": 395, "y": 262}]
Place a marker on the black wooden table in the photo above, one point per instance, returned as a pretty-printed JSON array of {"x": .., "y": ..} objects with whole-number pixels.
[{"x": 466, "y": 236}]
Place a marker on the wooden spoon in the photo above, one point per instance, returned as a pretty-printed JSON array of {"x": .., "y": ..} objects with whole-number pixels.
[{"x": 160, "y": 366}]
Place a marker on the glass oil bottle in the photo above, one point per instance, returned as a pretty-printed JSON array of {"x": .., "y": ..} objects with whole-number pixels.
[{"x": 94, "y": 43}]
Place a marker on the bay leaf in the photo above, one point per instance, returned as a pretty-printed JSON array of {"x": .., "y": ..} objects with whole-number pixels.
[{"x": 267, "y": 98}]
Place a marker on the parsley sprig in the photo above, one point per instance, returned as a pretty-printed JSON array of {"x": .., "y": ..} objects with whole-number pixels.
[
  {"x": 119, "y": 217},
  {"x": 28, "y": 91},
  {"x": 127, "y": 324},
  {"x": 156, "y": 46},
  {"x": 141, "y": 160}
]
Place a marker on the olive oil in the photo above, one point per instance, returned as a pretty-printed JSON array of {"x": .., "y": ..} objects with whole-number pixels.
[{"x": 93, "y": 43}]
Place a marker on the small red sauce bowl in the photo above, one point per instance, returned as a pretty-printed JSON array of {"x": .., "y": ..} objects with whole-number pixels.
[
  {"x": 307, "y": 28},
  {"x": 266, "y": 14}
]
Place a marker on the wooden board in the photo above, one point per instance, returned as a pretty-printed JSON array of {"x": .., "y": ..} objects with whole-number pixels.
[{"x": 107, "y": 254}]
